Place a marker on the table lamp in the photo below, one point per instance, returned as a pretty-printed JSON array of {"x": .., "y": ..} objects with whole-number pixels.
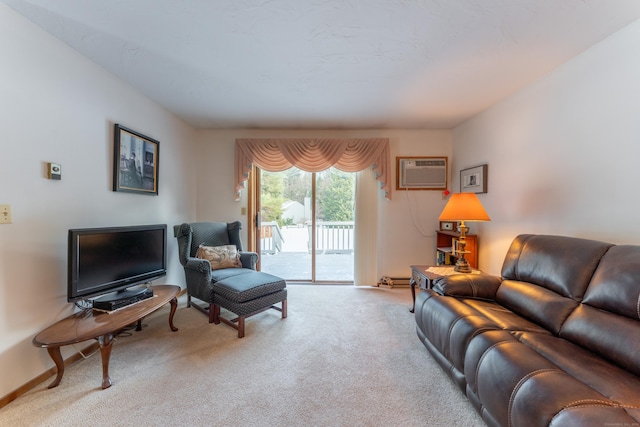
[{"x": 463, "y": 207}]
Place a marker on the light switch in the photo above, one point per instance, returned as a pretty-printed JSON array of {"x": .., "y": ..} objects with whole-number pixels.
[{"x": 5, "y": 214}]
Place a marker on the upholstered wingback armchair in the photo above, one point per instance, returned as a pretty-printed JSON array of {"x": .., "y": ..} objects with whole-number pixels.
[{"x": 198, "y": 273}]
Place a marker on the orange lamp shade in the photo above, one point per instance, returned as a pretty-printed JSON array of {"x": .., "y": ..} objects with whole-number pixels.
[{"x": 464, "y": 207}]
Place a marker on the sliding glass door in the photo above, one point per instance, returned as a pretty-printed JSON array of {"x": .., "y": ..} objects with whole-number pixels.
[{"x": 306, "y": 225}]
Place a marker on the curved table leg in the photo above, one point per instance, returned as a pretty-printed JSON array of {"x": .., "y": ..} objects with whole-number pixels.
[
  {"x": 174, "y": 305},
  {"x": 56, "y": 355},
  {"x": 106, "y": 343}
]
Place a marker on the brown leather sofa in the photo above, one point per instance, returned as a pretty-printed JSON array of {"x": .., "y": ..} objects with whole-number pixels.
[{"x": 555, "y": 341}]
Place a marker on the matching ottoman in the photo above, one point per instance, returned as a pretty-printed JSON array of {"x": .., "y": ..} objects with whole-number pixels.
[{"x": 246, "y": 295}]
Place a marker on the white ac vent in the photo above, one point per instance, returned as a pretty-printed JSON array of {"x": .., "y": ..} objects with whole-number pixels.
[{"x": 423, "y": 173}]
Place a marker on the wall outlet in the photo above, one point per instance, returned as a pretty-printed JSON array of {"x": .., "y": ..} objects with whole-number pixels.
[{"x": 5, "y": 214}]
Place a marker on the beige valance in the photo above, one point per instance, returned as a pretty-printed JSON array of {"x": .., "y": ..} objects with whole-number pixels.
[{"x": 312, "y": 155}]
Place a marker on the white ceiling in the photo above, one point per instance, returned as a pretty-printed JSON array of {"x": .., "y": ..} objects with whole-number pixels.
[{"x": 337, "y": 64}]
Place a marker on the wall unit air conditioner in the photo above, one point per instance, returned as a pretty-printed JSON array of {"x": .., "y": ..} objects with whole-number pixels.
[{"x": 421, "y": 173}]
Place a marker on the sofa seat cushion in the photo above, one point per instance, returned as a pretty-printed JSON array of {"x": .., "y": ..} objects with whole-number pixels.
[
  {"x": 519, "y": 386},
  {"x": 450, "y": 323},
  {"x": 503, "y": 317},
  {"x": 597, "y": 416},
  {"x": 246, "y": 287},
  {"x": 616, "y": 384}
]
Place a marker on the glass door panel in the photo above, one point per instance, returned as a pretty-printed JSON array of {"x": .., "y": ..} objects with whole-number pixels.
[
  {"x": 334, "y": 226},
  {"x": 285, "y": 200}
]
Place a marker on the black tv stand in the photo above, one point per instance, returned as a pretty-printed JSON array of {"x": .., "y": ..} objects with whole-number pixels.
[{"x": 123, "y": 298}]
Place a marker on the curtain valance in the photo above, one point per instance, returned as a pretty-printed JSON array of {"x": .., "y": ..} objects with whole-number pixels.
[{"x": 312, "y": 155}]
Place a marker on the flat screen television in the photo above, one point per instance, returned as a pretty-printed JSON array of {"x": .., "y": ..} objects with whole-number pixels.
[{"x": 111, "y": 259}]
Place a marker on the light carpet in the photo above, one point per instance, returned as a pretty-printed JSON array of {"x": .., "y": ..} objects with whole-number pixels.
[{"x": 345, "y": 356}]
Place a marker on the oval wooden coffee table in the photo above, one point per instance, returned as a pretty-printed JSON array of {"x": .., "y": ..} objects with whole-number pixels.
[{"x": 92, "y": 324}]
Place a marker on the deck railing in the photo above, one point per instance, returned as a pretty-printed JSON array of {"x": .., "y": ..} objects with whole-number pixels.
[
  {"x": 271, "y": 239},
  {"x": 333, "y": 237}
]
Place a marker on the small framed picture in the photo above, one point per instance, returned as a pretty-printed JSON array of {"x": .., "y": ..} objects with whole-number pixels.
[
  {"x": 135, "y": 162},
  {"x": 474, "y": 180},
  {"x": 448, "y": 226}
]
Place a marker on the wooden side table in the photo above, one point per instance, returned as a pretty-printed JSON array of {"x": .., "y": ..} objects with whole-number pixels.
[
  {"x": 421, "y": 276},
  {"x": 91, "y": 324}
]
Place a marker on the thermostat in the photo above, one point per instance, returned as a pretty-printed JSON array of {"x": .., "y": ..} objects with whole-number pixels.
[{"x": 54, "y": 171}]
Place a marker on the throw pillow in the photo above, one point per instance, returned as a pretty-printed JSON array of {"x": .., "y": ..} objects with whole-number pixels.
[{"x": 220, "y": 256}]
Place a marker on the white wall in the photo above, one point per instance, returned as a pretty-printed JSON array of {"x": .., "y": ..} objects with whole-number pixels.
[
  {"x": 563, "y": 153},
  {"x": 57, "y": 106},
  {"x": 407, "y": 222}
]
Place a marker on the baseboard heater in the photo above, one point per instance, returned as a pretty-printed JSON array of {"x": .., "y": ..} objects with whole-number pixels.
[{"x": 394, "y": 281}]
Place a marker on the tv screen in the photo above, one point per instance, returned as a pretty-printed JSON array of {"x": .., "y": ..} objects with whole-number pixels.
[{"x": 105, "y": 260}]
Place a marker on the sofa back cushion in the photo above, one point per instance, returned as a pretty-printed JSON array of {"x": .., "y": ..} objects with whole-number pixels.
[
  {"x": 608, "y": 320},
  {"x": 561, "y": 264},
  {"x": 615, "y": 286},
  {"x": 537, "y": 304},
  {"x": 545, "y": 277}
]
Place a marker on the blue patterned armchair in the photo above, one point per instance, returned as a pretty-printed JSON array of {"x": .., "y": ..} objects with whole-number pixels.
[{"x": 199, "y": 276}]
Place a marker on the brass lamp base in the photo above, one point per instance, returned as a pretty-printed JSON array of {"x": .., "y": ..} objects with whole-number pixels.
[{"x": 462, "y": 266}]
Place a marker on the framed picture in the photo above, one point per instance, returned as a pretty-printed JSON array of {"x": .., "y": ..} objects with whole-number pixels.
[
  {"x": 448, "y": 225},
  {"x": 135, "y": 162},
  {"x": 474, "y": 180},
  {"x": 421, "y": 173}
]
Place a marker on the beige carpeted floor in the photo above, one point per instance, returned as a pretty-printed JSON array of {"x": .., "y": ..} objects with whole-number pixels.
[{"x": 345, "y": 356}]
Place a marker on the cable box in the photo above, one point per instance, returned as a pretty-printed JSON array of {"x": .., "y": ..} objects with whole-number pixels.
[{"x": 110, "y": 304}]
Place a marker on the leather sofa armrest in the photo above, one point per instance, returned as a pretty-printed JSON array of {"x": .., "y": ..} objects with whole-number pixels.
[{"x": 479, "y": 286}]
